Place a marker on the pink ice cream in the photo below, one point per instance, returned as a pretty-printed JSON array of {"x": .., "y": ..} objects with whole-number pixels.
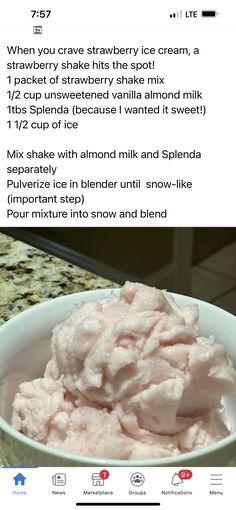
[{"x": 129, "y": 378}]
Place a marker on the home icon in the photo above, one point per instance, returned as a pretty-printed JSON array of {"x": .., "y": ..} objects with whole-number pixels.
[{"x": 19, "y": 479}]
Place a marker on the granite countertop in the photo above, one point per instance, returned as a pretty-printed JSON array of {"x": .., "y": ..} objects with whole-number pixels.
[{"x": 29, "y": 276}]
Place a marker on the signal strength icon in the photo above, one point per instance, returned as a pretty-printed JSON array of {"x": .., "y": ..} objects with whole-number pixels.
[{"x": 177, "y": 14}]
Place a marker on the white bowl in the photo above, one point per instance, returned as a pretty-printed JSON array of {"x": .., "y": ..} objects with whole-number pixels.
[{"x": 25, "y": 350}]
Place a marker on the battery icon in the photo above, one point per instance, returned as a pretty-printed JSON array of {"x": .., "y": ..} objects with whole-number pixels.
[{"x": 209, "y": 14}]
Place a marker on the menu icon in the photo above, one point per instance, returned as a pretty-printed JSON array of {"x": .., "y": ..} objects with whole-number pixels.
[{"x": 216, "y": 479}]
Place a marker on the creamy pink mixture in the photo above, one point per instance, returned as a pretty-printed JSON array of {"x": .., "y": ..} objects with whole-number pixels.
[{"x": 129, "y": 378}]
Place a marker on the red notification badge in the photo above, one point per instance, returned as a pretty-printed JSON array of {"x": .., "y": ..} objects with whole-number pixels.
[
  {"x": 104, "y": 474},
  {"x": 185, "y": 474}
]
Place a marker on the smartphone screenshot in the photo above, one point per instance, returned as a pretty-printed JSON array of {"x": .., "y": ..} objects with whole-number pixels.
[{"x": 117, "y": 254}]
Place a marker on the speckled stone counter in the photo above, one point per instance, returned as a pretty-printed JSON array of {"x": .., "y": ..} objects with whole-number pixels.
[{"x": 29, "y": 276}]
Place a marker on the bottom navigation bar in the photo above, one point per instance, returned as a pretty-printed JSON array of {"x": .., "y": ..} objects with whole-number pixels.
[{"x": 139, "y": 487}]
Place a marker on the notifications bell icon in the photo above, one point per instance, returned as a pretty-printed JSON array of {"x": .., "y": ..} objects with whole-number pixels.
[{"x": 176, "y": 480}]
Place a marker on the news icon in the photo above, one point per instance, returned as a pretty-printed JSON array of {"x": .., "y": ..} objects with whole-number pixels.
[{"x": 59, "y": 479}]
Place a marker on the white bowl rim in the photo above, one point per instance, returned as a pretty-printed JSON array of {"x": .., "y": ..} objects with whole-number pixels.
[{"x": 182, "y": 459}]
